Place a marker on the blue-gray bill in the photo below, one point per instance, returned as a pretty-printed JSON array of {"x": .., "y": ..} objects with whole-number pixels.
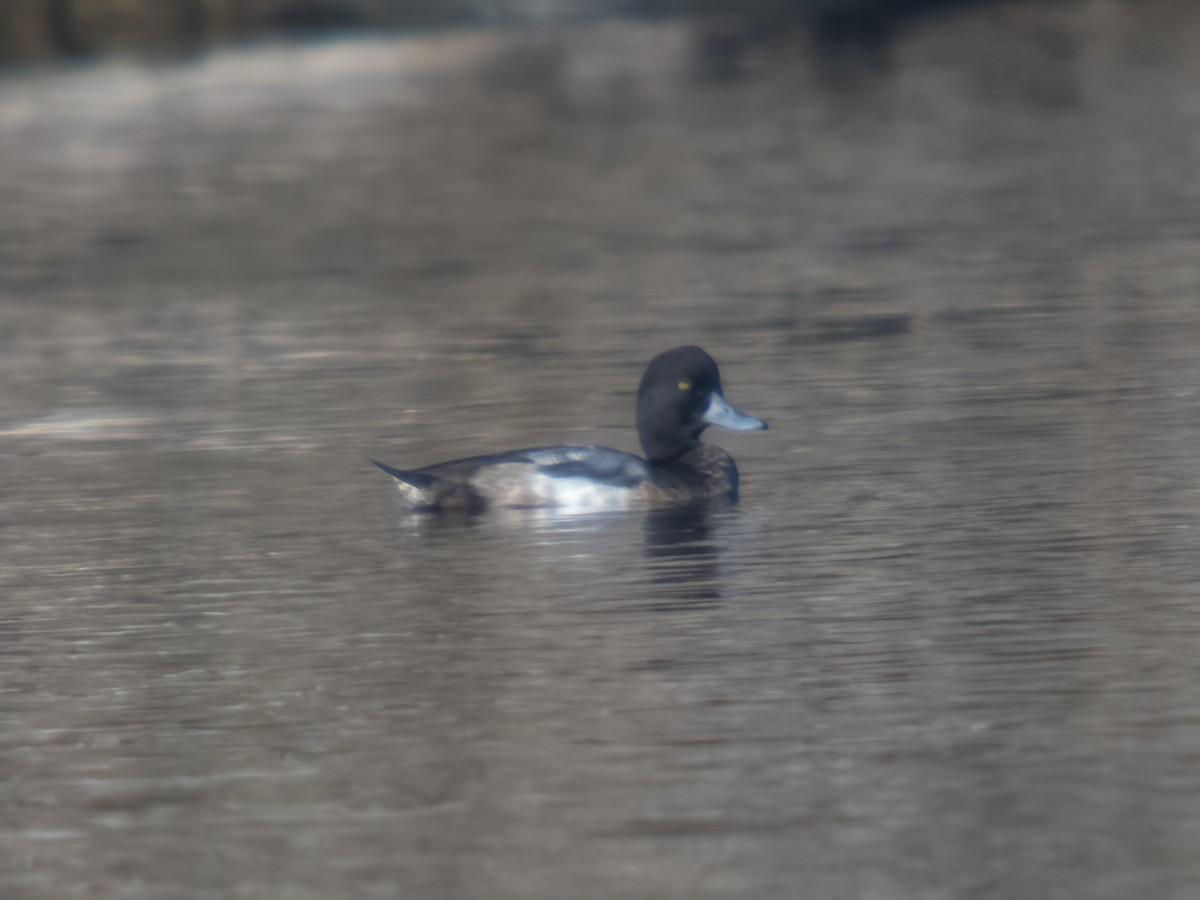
[{"x": 719, "y": 412}]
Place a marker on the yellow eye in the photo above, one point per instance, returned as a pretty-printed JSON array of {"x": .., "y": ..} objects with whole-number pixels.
[{"x": 684, "y": 386}]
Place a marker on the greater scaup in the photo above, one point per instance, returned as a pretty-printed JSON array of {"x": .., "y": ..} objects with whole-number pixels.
[{"x": 680, "y": 395}]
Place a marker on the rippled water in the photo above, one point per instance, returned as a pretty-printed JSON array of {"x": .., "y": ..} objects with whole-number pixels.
[{"x": 947, "y": 646}]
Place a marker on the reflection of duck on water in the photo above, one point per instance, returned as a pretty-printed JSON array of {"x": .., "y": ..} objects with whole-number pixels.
[{"x": 682, "y": 558}]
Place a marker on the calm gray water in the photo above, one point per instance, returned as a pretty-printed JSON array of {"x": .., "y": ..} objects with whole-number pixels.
[{"x": 948, "y": 645}]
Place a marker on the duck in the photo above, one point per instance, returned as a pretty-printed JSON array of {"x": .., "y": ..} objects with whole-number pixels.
[{"x": 679, "y": 396}]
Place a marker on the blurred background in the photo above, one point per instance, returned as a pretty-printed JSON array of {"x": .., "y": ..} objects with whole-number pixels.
[
  {"x": 48, "y": 29},
  {"x": 947, "y": 644}
]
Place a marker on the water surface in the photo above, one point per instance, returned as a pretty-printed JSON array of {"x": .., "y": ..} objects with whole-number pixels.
[{"x": 945, "y": 647}]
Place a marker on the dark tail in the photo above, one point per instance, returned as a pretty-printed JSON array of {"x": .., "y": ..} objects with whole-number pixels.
[{"x": 416, "y": 479}]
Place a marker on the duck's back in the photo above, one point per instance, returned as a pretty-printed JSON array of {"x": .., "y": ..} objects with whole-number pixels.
[{"x": 570, "y": 478}]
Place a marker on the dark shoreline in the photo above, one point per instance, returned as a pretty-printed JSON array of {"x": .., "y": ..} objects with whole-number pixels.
[{"x": 39, "y": 31}]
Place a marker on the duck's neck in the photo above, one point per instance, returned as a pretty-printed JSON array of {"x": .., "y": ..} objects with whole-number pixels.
[{"x": 688, "y": 456}]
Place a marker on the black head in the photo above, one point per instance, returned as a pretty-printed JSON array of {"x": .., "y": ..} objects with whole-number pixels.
[{"x": 680, "y": 395}]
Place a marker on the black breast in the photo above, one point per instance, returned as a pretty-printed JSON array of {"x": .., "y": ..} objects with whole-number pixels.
[{"x": 706, "y": 472}]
